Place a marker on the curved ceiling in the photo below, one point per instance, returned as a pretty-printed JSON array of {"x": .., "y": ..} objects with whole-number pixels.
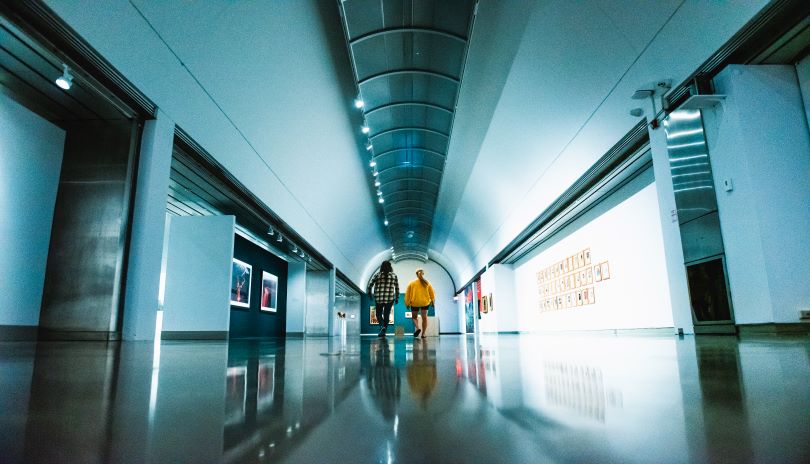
[{"x": 408, "y": 60}]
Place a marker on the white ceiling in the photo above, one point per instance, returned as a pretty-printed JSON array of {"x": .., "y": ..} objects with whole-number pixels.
[{"x": 260, "y": 85}]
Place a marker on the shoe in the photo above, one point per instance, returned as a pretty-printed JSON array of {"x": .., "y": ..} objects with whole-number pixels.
[
  {"x": 416, "y": 334},
  {"x": 382, "y": 333},
  {"x": 423, "y": 336}
]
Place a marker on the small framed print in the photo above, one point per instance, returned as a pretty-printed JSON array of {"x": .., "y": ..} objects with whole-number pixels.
[
  {"x": 581, "y": 258},
  {"x": 373, "y": 317},
  {"x": 579, "y": 298},
  {"x": 589, "y": 275},
  {"x": 408, "y": 315},
  {"x": 586, "y": 296},
  {"x": 605, "y": 270},
  {"x": 593, "y": 296},
  {"x": 241, "y": 276},
  {"x": 577, "y": 280},
  {"x": 587, "y": 254},
  {"x": 571, "y": 281},
  {"x": 597, "y": 273}
]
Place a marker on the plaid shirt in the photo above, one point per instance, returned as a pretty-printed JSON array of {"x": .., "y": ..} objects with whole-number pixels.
[{"x": 384, "y": 287}]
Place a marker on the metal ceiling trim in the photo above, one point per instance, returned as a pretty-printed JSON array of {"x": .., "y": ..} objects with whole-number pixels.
[
  {"x": 412, "y": 209},
  {"x": 401, "y": 72},
  {"x": 407, "y": 191},
  {"x": 406, "y": 30},
  {"x": 405, "y": 200},
  {"x": 409, "y": 179},
  {"x": 409, "y": 166},
  {"x": 409, "y": 103},
  {"x": 419, "y": 129},
  {"x": 426, "y": 150}
]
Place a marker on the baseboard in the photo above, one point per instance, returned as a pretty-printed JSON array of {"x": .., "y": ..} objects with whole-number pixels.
[
  {"x": 650, "y": 331},
  {"x": 193, "y": 335},
  {"x": 78, "y": 335},
  {"x": 773, "y": 328},
  {"x": 19, "y": 333},
  {"x": 294, "y": 334}
]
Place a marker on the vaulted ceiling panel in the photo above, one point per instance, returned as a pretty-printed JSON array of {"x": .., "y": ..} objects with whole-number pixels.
[{"x": 408, "y": 60}]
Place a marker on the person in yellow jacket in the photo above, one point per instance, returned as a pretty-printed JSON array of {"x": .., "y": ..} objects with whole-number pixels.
[{"x": 418, "y": 297}]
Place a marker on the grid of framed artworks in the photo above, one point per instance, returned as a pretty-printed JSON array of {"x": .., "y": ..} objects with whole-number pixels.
[
  {"x": 373, "y": 317},
  {"x": 241, "y": 278},
  {"x": 569, "y": 283}
]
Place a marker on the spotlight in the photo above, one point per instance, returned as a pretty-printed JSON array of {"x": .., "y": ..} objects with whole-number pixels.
[
  {"x": 358, "y": 103},
  {"x": 295, "y": 249},
  {"x": 377, "y": 182},
  {"x": 65, "y": 81},
  {"x": 369, "y": 146},
  {"x": 372, "y": 163},
  {"x": 375, "y": 173},
  {"x": 303, "y": 254},
  {"x": 279, "y": 238},
  {"x": 379, "y": 193},
  {"x": 381, "y": 200},
  {"x": 270, "y": 231},
  {"x": 365, "y": 129},
  {"x": 385, "y": 222}
]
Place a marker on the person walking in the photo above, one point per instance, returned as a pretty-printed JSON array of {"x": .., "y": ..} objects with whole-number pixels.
[
  {"x": 384, "y": 288},
  {"x": 418, "y": 297}
]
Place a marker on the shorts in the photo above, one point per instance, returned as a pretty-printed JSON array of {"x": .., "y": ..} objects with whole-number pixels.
[{"x": 416, "y": 309}]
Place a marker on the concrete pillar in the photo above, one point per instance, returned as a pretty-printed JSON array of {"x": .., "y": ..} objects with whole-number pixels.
[
  {"x": 296, "y": 297},
  {"x": 148, "y": 224},
  {"x": 320, "y": 302},
  {"x": 671, "y": 233}
]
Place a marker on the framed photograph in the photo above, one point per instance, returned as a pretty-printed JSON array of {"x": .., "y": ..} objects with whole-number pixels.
[
  {"x": 579, "y": 298},
  {"x": 597, "y": 273},
  {"x": 581, "y": 258},
  {"x": 373, "y": 317},
  {"x": 589, "y": 275},
  {"x": 586, "y": 296},
  {"x": 587, "y": 254},
  {"x": 241, "y": 274},
  {"x": 577, "y": 280},
  {"x": 491, "y": 306},
  {"x": 605, "y": 271},
  {"x": 569, "y": 300},
  {"x": 568, "y": 264},
  {"x": 484, "y": 304},
  {"x": 269, "y": 292},
  {"x": 593, "y": 296},
  {"x": 408, "y": 315}
]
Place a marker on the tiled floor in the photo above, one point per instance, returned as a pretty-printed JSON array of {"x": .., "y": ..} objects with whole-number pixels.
[{"x": 514, "y": 398}]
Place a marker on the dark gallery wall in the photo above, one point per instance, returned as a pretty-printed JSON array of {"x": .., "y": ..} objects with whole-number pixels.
[
  {"x": 399, "y": 316},
  {"x": 253, "y": 322}
]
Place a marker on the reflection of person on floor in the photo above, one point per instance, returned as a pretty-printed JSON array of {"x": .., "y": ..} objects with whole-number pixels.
[
  {"x": 422, "y": 375},
  {"x": 384, "y": 381},
  {"x": 418, "y": 297}
]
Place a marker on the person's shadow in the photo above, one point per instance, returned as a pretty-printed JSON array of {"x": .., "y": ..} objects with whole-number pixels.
[
  {"x": 384, "y": 381},
  {"x": 421, "y": 372}
]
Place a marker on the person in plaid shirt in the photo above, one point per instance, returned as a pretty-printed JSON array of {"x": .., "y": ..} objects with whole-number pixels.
[{"x": 384, "y": 288}]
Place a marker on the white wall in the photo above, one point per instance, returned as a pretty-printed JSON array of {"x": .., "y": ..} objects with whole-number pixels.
[
  {"x": 759, "y": 139},
  {"x": 446, "y": 308},
  {"x": 198, "y": 274},
  {"x": 499, "y": 283},
  {"x": 624, "y": 230},
  {"x": 803, "y": 72},
  {"x": 320, "y": 302},
  {"x": 296, "y": 296},
  {"x": 30, "y": 162}
]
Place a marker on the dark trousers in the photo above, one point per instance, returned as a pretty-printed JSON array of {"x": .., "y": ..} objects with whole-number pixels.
[{"x": 383, "y": 313}]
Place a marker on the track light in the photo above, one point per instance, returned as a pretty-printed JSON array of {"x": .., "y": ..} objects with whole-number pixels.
[
  {"x": 303, "y": 254},
  {"x": 65, "y": 81},
  {"x": 279, "y": 238},
  {"x": 358, "y": 103},
  {"x": 379, "y": 193},
  {"x": 377, "y": 182},
  {"x": 365, "y": 129},
  {"x": 270, "y": 231},
  {"x": 381, "y": 200},
  {"x": 385, "y": 222},
  {"x": 295, "y": 249},
  {"x": 375, "y": 173},
  {"x": 372, "y": 163},
  {"x": 369, "y": 146}
]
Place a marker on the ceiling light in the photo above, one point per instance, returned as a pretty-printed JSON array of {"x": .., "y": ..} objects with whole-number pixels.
[
  {"x": 375, "y": 173},
  {"x": 385, "y": 222},
  {"x": 279, "y": 238},
  {"x": 365, "y": 129},
  {"x": 295, "y": 249},
  {"x": 381, "y": 200},
  {"x": 270, "y": 231},
  {"x": 65, "y": 81},
  {"x": 358, "y": 103},
  {"x": 379, "y": 193},
  {"x": 303, "y": 254},
  {"x": 369, "y": 146},
  {"x": 372, "y": 163},
  {"x": 377, "y": 182}
]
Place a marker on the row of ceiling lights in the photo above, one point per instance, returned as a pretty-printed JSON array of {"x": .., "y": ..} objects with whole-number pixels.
[
  {"x": 360, "y": 104},
  {"x": 295, "y": 250}
]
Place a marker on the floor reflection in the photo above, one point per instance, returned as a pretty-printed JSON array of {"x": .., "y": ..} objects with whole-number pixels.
[{"x": 449, "y": 399}]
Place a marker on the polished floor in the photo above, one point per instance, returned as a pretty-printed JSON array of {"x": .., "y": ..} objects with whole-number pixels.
[{"x": 454, "y": 399}]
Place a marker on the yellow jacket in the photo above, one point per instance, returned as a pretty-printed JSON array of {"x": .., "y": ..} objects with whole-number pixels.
[{"x": 419, "y": 295}]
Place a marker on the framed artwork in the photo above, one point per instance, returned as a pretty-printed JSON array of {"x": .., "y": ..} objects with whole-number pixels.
[
  {"x": 605, "y": 271},
  {"x": 241, "y": 274},
  {"x": 408, "y": 315},
  {"x": 593, "y": 296},
  {"x": 589, "y": 275},
  {"x": 491, "y": 306},
  {"x": 484, "y": 304},
  {"x": 581, "y": 258},
  {"x": 569, "y": 300},
  {"x": 586, "y": 296},
  {"x": 269, "y": 292},
  {"x": 587, "y": 254},
  {"x": 579, "y": 298},
  {"x": 568, "y": 264},
  {"x": 373, "y": 316},
  {"x": 577, "y": 280},
  {"x": 597, "y": 273}
]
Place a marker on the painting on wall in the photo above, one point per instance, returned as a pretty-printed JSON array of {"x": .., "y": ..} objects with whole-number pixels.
[
  {"x": 587, "y": 253},
  {"x": 597, "y": 273},
  {"x": 469, "y": 310},
  {"x": 491, "y": 306},
  {"x": 484, "y": 304},
  {"x": 408, "y": 315},
  {"x": 240, "y": 283},
  {"x": 605, "y": 270},
  {"x": 269, "y": 292}
]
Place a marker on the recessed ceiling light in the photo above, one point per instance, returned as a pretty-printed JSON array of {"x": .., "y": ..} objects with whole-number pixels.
[
  {"x": 369, "y": 146},
  {"x": 358, "y": 103},
  {"x": 65, "y": 81},
  {"x": 372, "y": 163},
  {"x": 381, "y": 200},
  {"x": 365, "y": 129},
  {"x": 385, "y": 222},
  {"x": 377, "y": 183}
]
